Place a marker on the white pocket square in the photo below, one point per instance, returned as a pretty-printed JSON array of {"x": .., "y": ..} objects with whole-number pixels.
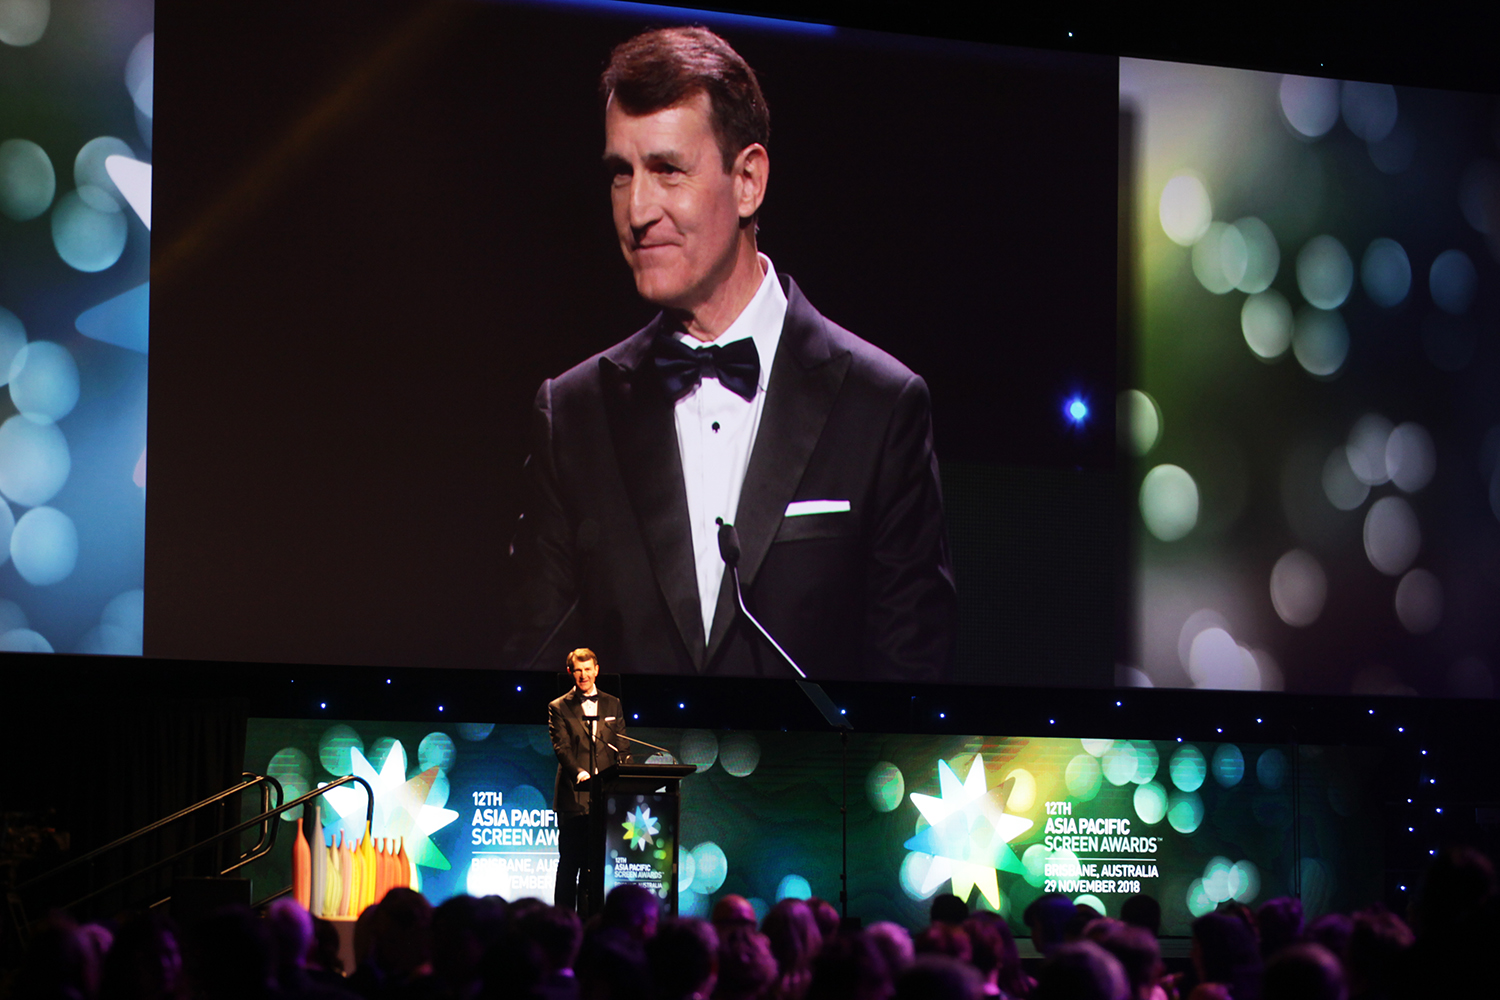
[{"x": 799, "y": 508}]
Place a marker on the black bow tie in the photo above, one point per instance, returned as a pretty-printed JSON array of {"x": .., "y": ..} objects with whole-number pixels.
[
  {"x": 736, "y": 366},
  {"x": 591, "y": 697}
]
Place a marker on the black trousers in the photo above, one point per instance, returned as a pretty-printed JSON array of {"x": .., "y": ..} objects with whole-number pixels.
[{"x": 572, "y": 858}]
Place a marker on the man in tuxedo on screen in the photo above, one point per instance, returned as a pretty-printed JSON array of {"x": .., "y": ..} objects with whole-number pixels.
[
  {"x": 740, "y": 403},
  {"x": 583, "y": 724}
]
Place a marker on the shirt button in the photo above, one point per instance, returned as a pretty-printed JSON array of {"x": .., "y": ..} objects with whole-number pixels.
[{"x": 716, "y": 427}]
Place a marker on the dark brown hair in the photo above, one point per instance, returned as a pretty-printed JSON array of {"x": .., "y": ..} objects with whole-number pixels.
[{"x": 663, "y": 68}]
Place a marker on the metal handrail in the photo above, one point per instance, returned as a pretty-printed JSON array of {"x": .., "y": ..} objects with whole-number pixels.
[
  {"x": 247, "y": 824},
  {"x": 255, "y": 779}
]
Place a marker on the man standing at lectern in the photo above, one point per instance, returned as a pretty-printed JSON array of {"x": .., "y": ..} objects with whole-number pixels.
[
  {"x": 583, "y": 723},
  {"x": 741, "y": 404}
]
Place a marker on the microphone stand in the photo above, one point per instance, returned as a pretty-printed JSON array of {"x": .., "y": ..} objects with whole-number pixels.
[
  {"x": 643, "y": 743},
  {"x": 596, "y": 815},
  {"x": 729, "y": 551}
]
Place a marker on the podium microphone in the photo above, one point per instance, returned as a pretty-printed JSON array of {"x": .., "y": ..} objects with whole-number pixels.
[{"x": 729, "y": 551}]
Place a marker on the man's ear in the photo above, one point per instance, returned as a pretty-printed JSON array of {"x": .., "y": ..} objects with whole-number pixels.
[{"x": 751, "y": 172}]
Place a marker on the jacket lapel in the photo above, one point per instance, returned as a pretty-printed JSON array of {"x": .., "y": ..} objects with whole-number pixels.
[
  {"x": 645, "y": 440},
  {"x": 805, "y": 379}
]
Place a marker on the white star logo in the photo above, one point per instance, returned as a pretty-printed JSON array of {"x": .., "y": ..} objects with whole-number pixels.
[{"x": 968, "y": 833}]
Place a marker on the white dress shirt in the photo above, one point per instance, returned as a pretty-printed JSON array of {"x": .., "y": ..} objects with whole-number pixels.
[{"x": 716, "y": 432}]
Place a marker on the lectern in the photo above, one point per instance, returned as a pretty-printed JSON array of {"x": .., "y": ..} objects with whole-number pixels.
[{"x": 633, "y": 831}]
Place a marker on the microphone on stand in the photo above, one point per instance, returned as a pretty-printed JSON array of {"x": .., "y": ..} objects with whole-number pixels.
[{"x": 729, "y": 551}]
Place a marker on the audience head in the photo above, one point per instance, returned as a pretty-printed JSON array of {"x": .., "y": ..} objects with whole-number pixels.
[
  {"x": 144, "y": 960},
  {"x": 56, "y": 963},
  {"x": 850, "y": 967},
  {"x": 1143, "y": 911},
  {"x": 1136, "y": 950},
  {"x": 463, "y": 929},
  {"x": 1011, "y": 976},
  {"x": 1048, "y": 918},
  {"x": 1280, "y": 924},
  {"x": 612, "y": 966},
  {"x": 944, "y": 939},
  {"x": 230, "y": 954},
  {"x": 1225, "y": 951},
  {"x": 938, "y": 977},
  {"x": 1378, "y": 941},
  {"x": 325, "y": 950},
  {"x": 733, "y": 911},
  {"x": 631, "y": 908},
  {"x": 403, "y": 933},
  {"x": 364, "y": 935},
  {"x": 746, "y": 966},
  {"x": 291, "y": 929},
  {"x": 1081, "y": 970},
  {"x": 894, "y": 944},
  {"x": 684, "y": 958},
  {"x": 948, "y": 909},
  {"x": 97, "y": 940},
  {"x": 827, "y": 916},
  {"x": 1304, "y": 972},
  {"x": 554, "y": 932},
  {"x": 1332, "y": 931},
  {"x": 1083, "y": 915},
  {"x": 986, "y": 946},
  {"x": 1459, "y": 881},
  {"x": 794, "y": 936}
]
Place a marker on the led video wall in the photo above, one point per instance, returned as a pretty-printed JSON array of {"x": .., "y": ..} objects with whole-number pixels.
[
  {"x": 1312, "y": 413},
  {"x": 75, "y": 238},
  {"x": 1207, "y": 357},
  {"x": 995, "y": 820}
]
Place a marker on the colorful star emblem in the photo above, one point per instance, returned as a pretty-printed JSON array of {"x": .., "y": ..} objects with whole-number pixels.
[
  {"x": 401, "y": 808},
  {"x": 641, "y": 827},
  {"x": 968, "y": 835}
]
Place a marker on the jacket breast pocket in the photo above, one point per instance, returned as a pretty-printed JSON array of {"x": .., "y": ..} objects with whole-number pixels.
[{"x": 841, "y": 524}]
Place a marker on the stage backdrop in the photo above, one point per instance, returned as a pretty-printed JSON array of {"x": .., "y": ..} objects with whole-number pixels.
[
  {"x": 996, "y": 820},
  {"x": 76, "y": 129},
  {"x": 1314, "y": 293}
]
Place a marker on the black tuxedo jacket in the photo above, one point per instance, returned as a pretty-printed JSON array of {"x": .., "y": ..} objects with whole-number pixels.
[
  {"x": 864, "y": 593},
  {"x": 570, "y": 742}
]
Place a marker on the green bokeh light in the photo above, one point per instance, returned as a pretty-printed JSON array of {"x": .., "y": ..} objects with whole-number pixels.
[
  {"x": 1151, "y": 803},
  {"x": 1188, "y": 768},
  {"x": 1270, "y": 769},
  {"x": 1120, "y": 764},
  {"x": 379, "y": 751},
  {"x": 293, "y": 769},
  {"x": 1229, "y": 765},
  {"x": 1035, "y": 863},
  {"x": 1185, "y": 811},
  {"x": 1083, "y": 777},
  {"x": 885, "y": 786},
  {"x": 710, "y": 867},
  {"x": 1216, "y": 880},
  {"x": 436, "y": 750},
  {"x": 1198, "y": 902},
  {"x": 1089, "y": 899},
  {"x": 913, "y": 875},
  {"x": 1147, "y": 761},
  {"x": 335, "y": 748},
  {"x": 739, "y": 754},
  {"x": 698, "y": 747}
]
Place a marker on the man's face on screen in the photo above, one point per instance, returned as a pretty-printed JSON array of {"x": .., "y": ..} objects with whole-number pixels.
[
  {"x": 584, "y": 672},
  {"x": 677, "y": 212}
]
